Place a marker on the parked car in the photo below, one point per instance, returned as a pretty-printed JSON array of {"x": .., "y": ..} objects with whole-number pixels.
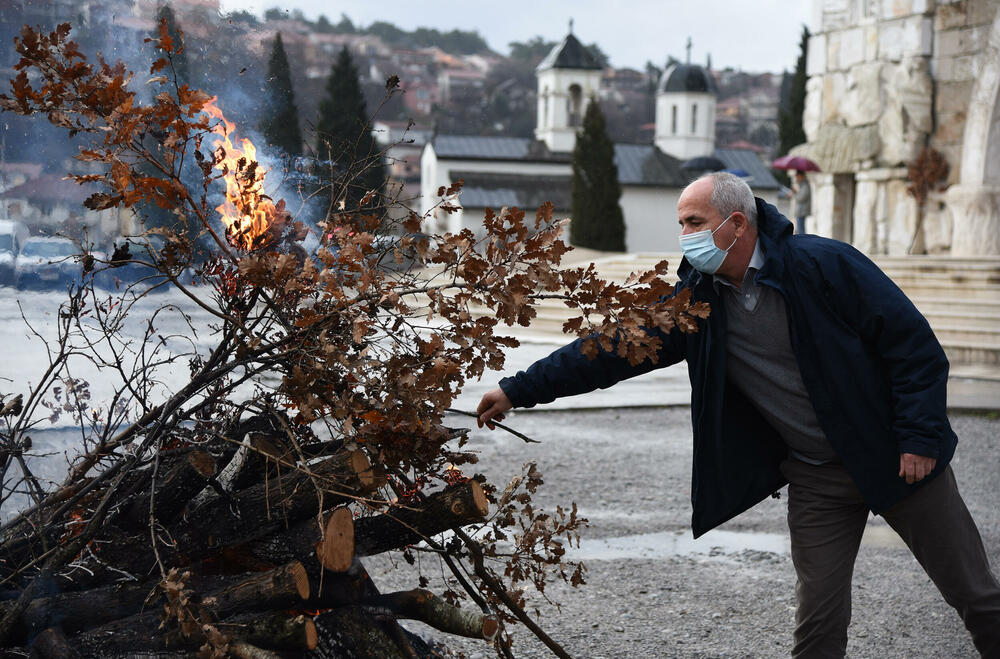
[
  {"x": 133, "y": 272},
  {"x": 12, "y": 237},
  {"x": 47, "y": 263}
]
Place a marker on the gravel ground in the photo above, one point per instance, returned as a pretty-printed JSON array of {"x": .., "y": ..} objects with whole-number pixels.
[{"x": 654, "y": 592}]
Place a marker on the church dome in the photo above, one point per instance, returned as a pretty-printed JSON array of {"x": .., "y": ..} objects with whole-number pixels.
[
  {"x": 686, "y": 78},
  {"x": 570, "y": 54}
]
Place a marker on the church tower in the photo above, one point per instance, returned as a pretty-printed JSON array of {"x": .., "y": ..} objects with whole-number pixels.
[
  {"x": 567, "y": 78},
  {"x": 685, "y": 111}
]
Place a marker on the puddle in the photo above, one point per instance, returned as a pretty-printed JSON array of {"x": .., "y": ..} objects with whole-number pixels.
[
  {"x": 714, "y": 544},
  {"x": 666, "y": 544}
]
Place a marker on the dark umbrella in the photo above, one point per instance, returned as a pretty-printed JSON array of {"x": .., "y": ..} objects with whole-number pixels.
[
  {"x": 742, "y": 173},
  {"x": 798, "y": 163},
  {"x": 704, "y": 163}
]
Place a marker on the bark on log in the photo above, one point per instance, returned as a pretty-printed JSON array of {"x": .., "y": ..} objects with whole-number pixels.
[
  {"x": 173, "y": 491},
  {"x": 306, "y": 539},
  {"x": 221, "y": 597},
  {"x": 456, "y": 506},
  {"x": 281, "y": 588},
  {"x": 243, "y": 650},
  {"x": 52, "y": 644},
  {"x": 77, "y": 611},
  {"x": 351, "y": 633},
  {"x": 278, "y": 631},
  {"x": 261, "y": 510},
  {"x": 423, "y": 605}
]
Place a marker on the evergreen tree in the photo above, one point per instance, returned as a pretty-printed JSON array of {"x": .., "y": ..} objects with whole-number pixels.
[
  {"x": 281, "y": 128},
  {"x": 343, "y": 131},
  {"x": 598, "y": 221},
  {"x": 790, "y": 131},
  {"x": 181, "y": 69}
]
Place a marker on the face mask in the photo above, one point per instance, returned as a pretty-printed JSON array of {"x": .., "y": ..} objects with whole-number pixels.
[{"x": 701, "y": 251}]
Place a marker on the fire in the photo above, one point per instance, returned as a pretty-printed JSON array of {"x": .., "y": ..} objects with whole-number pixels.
[{"x": 247, "y": 212}]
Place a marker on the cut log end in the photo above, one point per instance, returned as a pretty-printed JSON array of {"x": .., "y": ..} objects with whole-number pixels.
[
  {"x": 301, "y": 580},
  {"x": 363, "y": 468},
  {"x": 312, "y": 636},
  {"x": 202, "y": 463},
  {"x": 336, "y": 550},
  {"x": 480, "y": 504}
]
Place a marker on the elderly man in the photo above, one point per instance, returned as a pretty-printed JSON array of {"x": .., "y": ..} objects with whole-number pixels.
[{"x": 815, "y": 370}]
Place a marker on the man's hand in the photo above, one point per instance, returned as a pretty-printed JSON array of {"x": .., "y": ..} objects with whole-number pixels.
[
  {"x": 914, "y": 467},
  {"x": 492, "y": 407}
]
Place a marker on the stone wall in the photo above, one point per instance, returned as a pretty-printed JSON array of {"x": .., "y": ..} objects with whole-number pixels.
[{"x": 886, "y": 78}]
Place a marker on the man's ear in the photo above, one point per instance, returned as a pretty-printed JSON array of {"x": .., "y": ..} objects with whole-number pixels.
[{"x": 740, "y": 222}]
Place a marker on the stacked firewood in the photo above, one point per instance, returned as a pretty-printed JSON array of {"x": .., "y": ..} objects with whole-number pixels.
[{"x": 249, "y": 545}]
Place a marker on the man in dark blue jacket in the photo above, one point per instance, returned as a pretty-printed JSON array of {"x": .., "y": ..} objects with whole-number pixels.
[{"x": 813, "y": 369}]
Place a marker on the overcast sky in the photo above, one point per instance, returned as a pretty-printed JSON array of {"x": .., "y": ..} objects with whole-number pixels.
[{"x": 755, "y": 35}]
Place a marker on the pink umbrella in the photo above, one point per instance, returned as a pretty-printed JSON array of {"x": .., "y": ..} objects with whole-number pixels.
[{"x": 798, "y": 163}]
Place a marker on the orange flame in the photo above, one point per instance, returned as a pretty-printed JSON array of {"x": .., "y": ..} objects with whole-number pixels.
[{"x": 247, "y": 211}]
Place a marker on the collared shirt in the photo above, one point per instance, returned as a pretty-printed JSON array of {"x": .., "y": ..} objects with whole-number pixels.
[{"x": 749, "y": 292}]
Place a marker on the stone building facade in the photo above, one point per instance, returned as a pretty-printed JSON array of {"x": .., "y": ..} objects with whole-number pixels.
[{"x": 886, "y": 79}]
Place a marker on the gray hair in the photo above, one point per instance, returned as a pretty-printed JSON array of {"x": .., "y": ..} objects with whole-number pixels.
[{"x": 730, "y": 193}]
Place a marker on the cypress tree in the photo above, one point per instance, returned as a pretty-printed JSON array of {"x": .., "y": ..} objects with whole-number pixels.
[
  {"x": 181, "y": 69},
  {"x": 281, "y": 128},
  {"x": 598, "y": 221},
  {"x": 790, "y": 131},
  {"x": 343, "y": 132}
]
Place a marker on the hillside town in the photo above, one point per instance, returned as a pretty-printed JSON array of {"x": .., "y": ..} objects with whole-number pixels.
[{"x": 452, "y": 84}]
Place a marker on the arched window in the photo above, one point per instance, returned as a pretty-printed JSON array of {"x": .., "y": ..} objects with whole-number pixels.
[
  {"x": 694, "y": 118},
  {"x": 574, "y": 105},
  {"x": 673, "y": 119}
]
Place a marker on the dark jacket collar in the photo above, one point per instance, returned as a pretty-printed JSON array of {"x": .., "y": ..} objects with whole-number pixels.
[{"x": 773, "y": 229}]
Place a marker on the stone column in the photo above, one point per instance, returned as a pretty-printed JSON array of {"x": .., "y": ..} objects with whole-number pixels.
[{"x": 975, "y": 212}]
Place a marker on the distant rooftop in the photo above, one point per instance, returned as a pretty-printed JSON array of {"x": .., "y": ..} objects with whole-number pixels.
[
  {"x": 477, "y": 147},
  {"x": 570, "y": 54},
  {"x": 687, "y": 78},
  {"x": 527, "y": 192}
]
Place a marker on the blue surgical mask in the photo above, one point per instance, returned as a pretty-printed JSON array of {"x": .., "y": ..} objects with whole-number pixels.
[{"x": 701, "y": 251}]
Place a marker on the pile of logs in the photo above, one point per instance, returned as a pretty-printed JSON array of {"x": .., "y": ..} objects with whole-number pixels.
[{"x": 257, "y": 553}]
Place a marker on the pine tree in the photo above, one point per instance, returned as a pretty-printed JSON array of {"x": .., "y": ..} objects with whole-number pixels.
[
  {"x": 598, "y": 221},
  {"x": 281, "y": 128},
  {"x": 790, "y": 131},
  {"x": 343, "y": 131}
]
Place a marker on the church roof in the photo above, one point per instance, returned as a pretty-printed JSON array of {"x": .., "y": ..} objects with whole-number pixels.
[
  {"x": 686, "y": 78},
  {"x": 760, "y": 176},
  {"x": 570, "y": 54},
  {"x": 644, "y": 164},
  {"x": 638, "y": 165},
  {"x": 477, "y": 147},
  {"x": 527, "y": 192}
]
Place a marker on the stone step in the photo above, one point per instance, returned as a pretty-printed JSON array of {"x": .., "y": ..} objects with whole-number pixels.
[
  {"x": 930, "y": 305},
  {"x": 987, "y": 293},
  {"x": 973, "y": 317},
  {"x": 963, "y": 352},
  {"x": 949, "y": 332}
]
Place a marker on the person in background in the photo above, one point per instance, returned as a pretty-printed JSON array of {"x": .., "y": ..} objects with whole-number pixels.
[
  {"x": 815, "y": 370},
  {"x": 803, "y": 200}
]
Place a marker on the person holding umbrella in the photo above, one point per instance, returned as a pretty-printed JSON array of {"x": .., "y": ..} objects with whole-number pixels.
[
  {"x": 803, "y": 200},
  {"x": 801, "y": 191}
]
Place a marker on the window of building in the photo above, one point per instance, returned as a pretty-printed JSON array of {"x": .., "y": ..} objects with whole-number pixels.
[
  {"x": 574, "y": 105},
  {"x": 694, "y": 118},
  {"x": 673, "y": 120},
  {"x": 545, "y": 108}
]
